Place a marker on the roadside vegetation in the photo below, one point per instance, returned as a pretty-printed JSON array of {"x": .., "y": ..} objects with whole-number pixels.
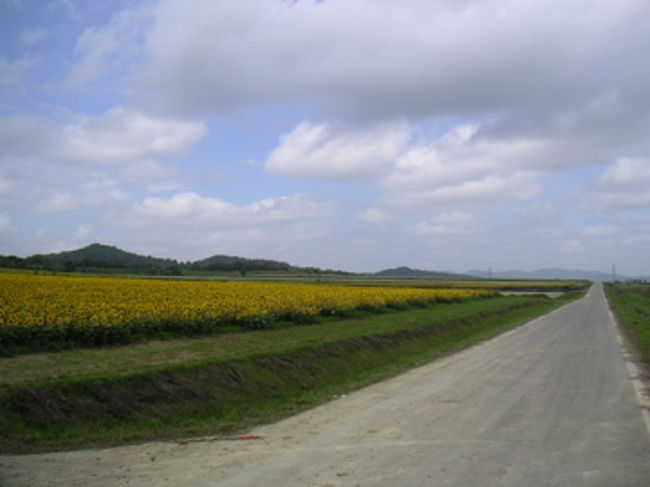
[
  {"x": 228, "y": 382},
  {"x": 630, "y": 302}
]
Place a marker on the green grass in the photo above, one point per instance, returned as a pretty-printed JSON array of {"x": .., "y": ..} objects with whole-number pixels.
[
  {"x": 631, "y": 304},
  {"x": 179, "y": 388},
  {"x": 96, "y": 362}
]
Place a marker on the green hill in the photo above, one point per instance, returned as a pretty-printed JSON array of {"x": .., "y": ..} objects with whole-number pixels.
[
  {"x": 99, "y": 255},
  {"x": 107, "y": 258},
  {"x": 228, "y": 263}
]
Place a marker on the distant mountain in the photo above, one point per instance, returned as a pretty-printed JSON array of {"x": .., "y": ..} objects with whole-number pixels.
[
  {"x": 229, "y": 262},
  {"x": 408, "y": 272},
  {"x": 553, "y": 274},
  {"x": 99, "y": 255}
]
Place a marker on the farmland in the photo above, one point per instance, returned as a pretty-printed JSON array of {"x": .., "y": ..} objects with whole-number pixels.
[
  {"x": 234, "y": 353},
  {"x": 41, "y": 312}
]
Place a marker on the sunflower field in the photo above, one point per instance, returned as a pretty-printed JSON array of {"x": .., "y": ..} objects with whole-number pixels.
[{"x": 43, "y": 311}]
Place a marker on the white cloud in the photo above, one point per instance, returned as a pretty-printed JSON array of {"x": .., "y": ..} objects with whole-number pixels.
[
  {"x": 453, "y": 223},
  {"x": 57, "y": 203},
  {"x": 92, "y": 191},
  {"x": 120, "y": 135},
  {"x": 182, "y": 205},
  {"x": 156, "y": 177},
  {"x": 529, "y": 96},
  {"x": 93, "y": 194},
  {"x": 444, "y": 160},
  {"x": 194, "y": 225},
  {"x": 190, "y": 209},
  {"x": 374, "y": 214},
  {"x": 116, "y": 136},
  {"x": 111, "y": 47},
  {"x": 623, "y": 184},
  {"x": 463, "y": 154},
  {"x": 627, "y": 171},
  {"x": 531, "y": 69},
  {"x": 383, "y": 58},
  {"x": 294, "y": 242},
  {"x": 463, "y": 167},
  {"x": 317, "y": 151}
]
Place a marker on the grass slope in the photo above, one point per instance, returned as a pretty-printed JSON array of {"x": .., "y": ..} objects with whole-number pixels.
[
  {"x": 631, "y": 304},
  {"x": 205, "y": 386}
]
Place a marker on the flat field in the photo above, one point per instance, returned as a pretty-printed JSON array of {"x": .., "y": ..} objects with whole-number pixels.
[
  {"x": 43, "y": 312},
  {"x": 235, "y": 374}
]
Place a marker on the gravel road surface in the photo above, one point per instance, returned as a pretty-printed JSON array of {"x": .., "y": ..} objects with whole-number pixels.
[{"x": 548, "y": 404}]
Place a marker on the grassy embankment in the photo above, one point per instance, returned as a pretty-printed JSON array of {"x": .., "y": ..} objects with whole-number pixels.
[
  {"x": 212, "y": 385},
  {"x": 631, "y": 304}
]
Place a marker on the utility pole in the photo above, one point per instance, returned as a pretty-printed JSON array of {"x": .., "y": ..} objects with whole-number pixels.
[{"x": 490, "y": 272}]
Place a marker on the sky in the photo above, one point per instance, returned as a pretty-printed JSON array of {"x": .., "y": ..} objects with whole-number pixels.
[{"x": 356, "y": 135}]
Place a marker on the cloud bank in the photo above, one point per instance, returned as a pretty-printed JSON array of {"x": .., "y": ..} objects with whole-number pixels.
[
  {"x": 477, "y": 132},
  {"x": 118, "y": 135}
]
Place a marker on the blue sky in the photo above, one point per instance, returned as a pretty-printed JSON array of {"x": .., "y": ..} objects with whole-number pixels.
[{"x": 347, "y": 134}]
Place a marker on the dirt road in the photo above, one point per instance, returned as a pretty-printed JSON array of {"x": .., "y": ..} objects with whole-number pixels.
[{"x": 548, "y": 404}]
